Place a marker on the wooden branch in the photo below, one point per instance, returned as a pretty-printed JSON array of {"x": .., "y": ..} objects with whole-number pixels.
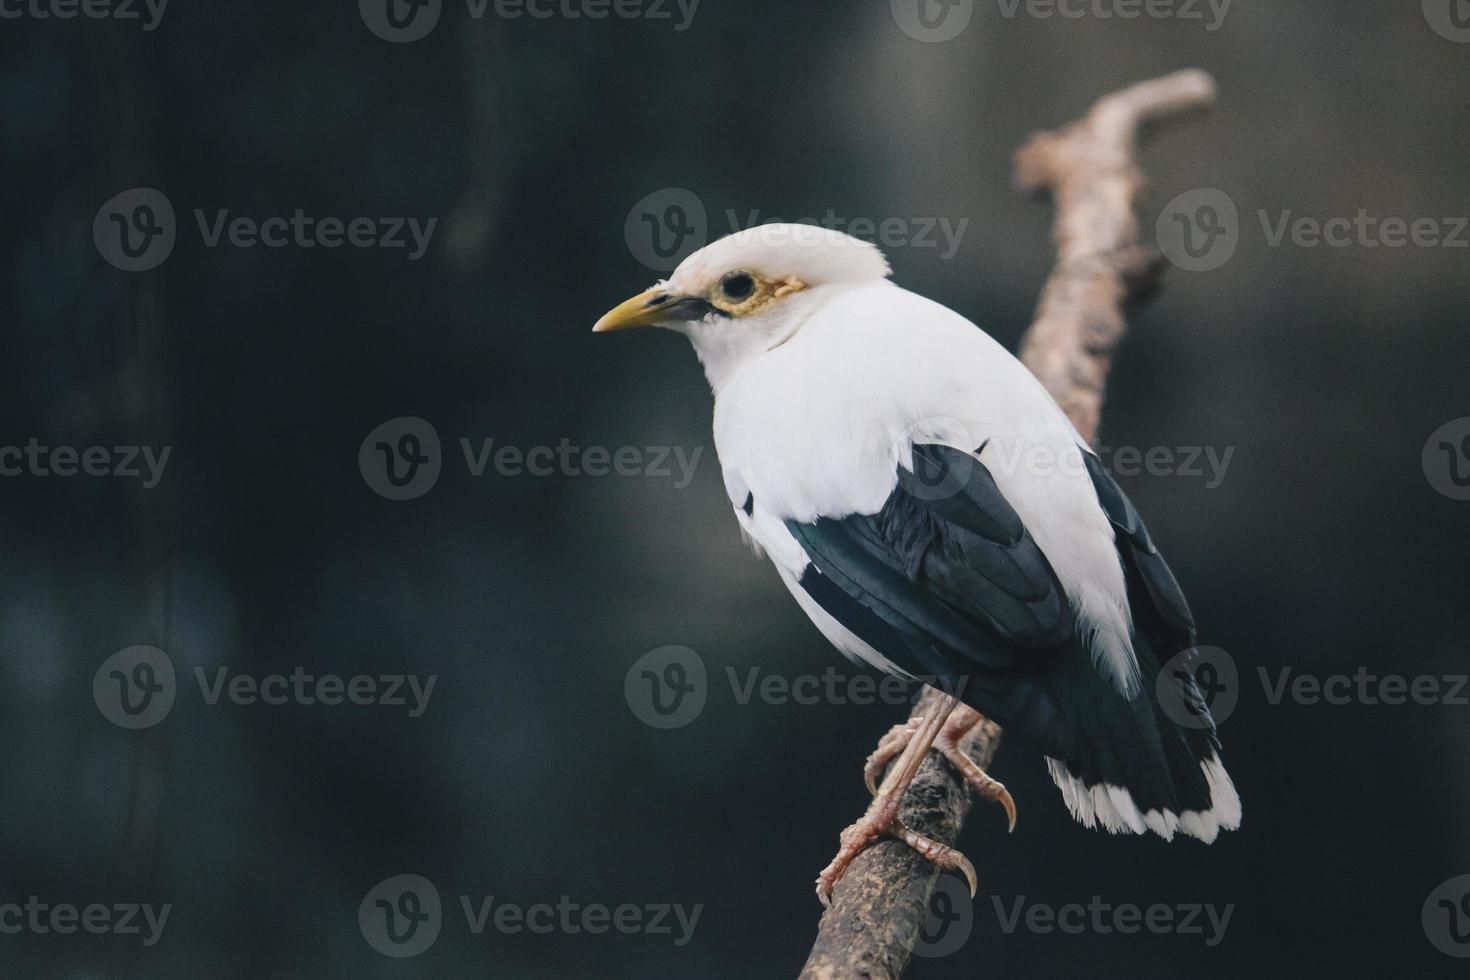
[{"x": 1089, "y": 168}]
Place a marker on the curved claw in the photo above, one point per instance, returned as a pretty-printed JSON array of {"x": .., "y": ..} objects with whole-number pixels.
[
  {"x": 1004, "y": 798},
  {"x": 980, "y": 783},
  {"x": 941, "y": 854},
  {"x": 968, "y": 870}
]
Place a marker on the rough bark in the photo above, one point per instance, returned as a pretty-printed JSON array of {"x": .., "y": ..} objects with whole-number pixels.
[{"x": 1089, "y": 168}]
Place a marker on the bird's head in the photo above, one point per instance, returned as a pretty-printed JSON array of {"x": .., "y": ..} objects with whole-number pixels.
[{"x": 750, "y": 292}]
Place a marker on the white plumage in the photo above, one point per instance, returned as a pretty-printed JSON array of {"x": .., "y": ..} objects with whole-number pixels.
[{"x": 826, "y": 375}]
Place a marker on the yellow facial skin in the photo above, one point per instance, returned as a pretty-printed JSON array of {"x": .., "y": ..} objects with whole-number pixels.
[{"x": 764, "y": 292}]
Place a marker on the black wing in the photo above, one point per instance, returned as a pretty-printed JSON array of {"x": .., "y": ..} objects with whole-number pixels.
[{"x": 946, "y": 582}]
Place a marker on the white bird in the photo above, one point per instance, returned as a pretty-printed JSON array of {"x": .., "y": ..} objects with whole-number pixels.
[{"x": 937, "y": 516}]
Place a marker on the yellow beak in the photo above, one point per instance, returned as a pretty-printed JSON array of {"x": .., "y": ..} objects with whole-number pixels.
[{"x": 643, "y": 310}]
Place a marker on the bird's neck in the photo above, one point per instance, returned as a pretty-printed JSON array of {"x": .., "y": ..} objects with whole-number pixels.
[
  {"x": 724, "y": 349},
  {"x": 721, "y": 359}
]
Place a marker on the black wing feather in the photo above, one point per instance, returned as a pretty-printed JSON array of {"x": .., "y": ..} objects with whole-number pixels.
[
  {"x": 947, "y": 582},
  {"x": 1166, "y": 602},
  {"x": 949, "y": 562}
]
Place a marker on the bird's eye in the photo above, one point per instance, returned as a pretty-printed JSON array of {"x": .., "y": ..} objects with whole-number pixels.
[{"x": 737, "y": 285}]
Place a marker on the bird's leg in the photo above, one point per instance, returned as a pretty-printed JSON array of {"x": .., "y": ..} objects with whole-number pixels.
[
  {"x": 949, "y": 743},
  {"x": 898, "y": 738},
  {"x": 882, "y": 815}
]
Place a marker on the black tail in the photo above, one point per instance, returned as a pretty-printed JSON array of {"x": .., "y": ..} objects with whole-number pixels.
[{"x": 1151, "y": 763}]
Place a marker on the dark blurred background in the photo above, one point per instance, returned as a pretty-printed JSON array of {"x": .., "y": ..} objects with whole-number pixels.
[{"x": 538, "y": 145}]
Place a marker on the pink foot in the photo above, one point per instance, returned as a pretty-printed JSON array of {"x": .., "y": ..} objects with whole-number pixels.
[
  {"x": 881, "y": 820},
  {"x": 948, "y": 744}
]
